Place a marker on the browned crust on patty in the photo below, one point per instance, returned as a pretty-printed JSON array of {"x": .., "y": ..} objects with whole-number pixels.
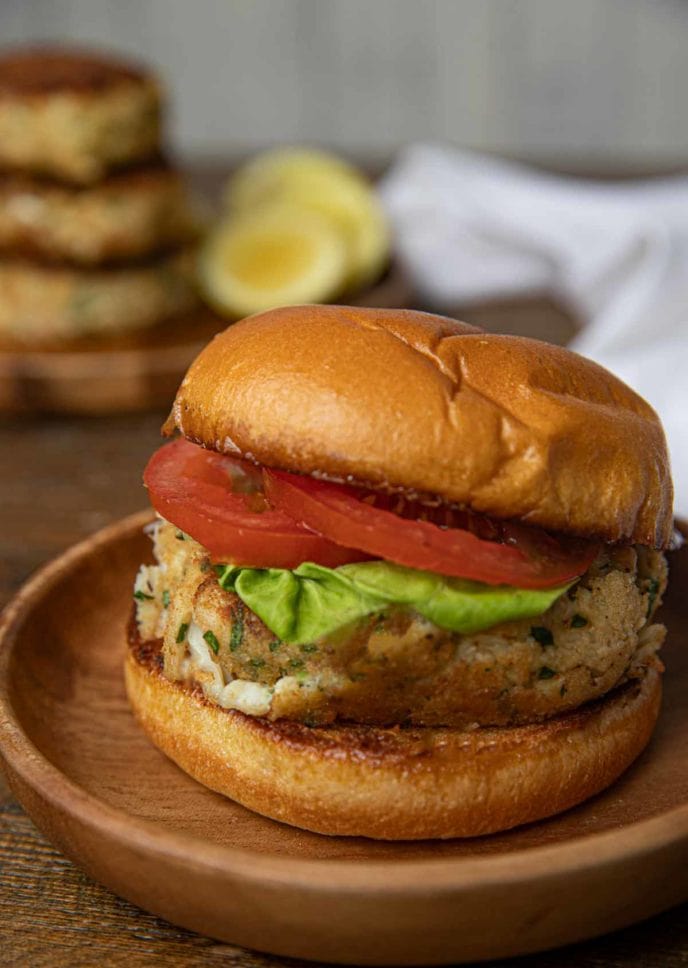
[
  {"x": 393, "y": 783},
  {"x": 147, "y": 653},
  {"x": 47, "y": 70},
  {"x": 132, "y": 173},
  {"x": 136, "y": 176}
]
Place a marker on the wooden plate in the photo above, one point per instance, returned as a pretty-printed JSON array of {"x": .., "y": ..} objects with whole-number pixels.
[
  {"x": 133, "y": 371},
  {"x": 93, "y": 783}
]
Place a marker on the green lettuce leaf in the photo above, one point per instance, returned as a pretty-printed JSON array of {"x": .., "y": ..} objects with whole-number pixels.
[{"x": 311, "y": 602}]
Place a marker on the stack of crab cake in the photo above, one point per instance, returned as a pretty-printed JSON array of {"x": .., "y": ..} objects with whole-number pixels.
[{"x": 96, "y": 229}]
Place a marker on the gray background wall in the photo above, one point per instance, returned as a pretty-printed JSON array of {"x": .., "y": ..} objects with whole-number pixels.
[{"x": 589, "y": 79}]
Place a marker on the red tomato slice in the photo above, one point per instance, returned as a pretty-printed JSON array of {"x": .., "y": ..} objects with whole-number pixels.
[
  {"x": 522, "y": 556},
  {"x": 219, "y": 501}
]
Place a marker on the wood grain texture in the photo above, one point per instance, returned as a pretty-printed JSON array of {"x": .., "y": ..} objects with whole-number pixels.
[
  {"x": 59, "y": 480},
  {"x": 53, "y": 916}
]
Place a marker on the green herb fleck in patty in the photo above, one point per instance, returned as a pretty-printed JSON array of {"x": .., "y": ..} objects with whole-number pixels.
[
  {"x": 237, "y": 634},
  {"x": 211, "y": 639},
  {"x": 652, "y": 591}
]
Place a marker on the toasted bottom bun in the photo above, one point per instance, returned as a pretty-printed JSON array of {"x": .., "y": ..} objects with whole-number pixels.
[{"x": 399, "y": 783}]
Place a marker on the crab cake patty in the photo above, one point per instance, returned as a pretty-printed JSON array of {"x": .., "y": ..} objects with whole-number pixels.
[
  {"x": 131, "y": 215},
  {"x": 44, "y": 303},
  {"x": 396, "y": 667},
  {"x": 75, "y": 115}
]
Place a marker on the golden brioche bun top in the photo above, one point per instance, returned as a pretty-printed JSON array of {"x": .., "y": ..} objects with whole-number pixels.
[{"x": 508, "y": 426}]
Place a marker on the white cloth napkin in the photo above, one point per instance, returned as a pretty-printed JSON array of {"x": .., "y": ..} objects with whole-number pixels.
[{"x": 470, "y": 227}]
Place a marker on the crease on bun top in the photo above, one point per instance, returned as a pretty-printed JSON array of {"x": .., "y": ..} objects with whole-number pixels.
[{"x": 508, "y": 426}]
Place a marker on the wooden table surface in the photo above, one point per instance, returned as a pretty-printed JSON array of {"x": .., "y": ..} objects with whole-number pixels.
[{"x": 60, "y": 479}]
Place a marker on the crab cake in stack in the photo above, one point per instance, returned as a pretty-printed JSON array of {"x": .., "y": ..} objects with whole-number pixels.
[
  {"x": 44, "y": 303},
  {"x": 75, "y": 116},
  {"x": 96, "y": 229},
  {"x": 133, "y": 214}
]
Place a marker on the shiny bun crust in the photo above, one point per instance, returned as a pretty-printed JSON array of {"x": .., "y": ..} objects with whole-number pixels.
[
  {"x": 507, "y": 426},
  {"x": 395, "y": 784}
]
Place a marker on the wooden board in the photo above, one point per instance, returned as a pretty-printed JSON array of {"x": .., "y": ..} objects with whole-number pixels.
[
  {"x": 89, "y": 778},
  {"x": 133, "y": 371}
]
